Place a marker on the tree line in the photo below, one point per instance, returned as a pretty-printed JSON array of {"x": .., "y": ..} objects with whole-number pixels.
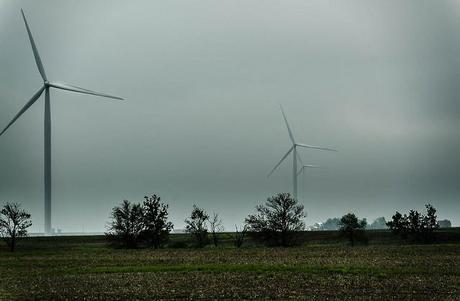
[{"x": 279, "y": 221}]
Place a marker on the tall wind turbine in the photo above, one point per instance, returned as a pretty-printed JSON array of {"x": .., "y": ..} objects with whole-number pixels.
[
  {"x": 295, "y": 156},
  {"x": 47, "y": 143}
]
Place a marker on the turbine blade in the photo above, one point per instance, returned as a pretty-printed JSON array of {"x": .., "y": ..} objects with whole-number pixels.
[
  {"x": 38, "y": 61},
  {"x": 26, "y": 106},
  {"x": 282, "y": 159},
  {"x": 298, "y": 158},
  {"x": 300, "y": 170},
  {"x": 287, "y": 125},
  {"x": 81, "y": 90},
  {"x": 317, "y": 147}
]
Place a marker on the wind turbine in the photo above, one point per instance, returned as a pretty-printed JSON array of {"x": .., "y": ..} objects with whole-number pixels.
[
  {"x": 293, "y": 149},
  {"x": 47, "y": 132}
]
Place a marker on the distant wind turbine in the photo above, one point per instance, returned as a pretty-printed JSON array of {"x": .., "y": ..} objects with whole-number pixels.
[
  {"x": 47, "y": 143},
  {"x": 304, "y": 167},
  {"x": 293, "y": 149}
]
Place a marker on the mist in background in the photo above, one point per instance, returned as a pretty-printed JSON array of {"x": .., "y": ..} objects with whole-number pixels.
[{"x": 377, "y": 80}]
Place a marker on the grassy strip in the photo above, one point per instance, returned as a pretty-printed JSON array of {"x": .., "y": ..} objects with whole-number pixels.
[{"x": 258, "y": 268}]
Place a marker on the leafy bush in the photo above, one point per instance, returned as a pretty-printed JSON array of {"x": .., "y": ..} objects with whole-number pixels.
[
  {"x": 278, "y": 221},
  {"x": 416, "y": 226},
  {"x": 353, "y": 228},
  {"x": 134, "y": 223},
  {"x": 155, "y": 218},
  {"x": 196, "y": 226},
  {"x": 399, "y": 224},
  {"x": 127, "y": 224}
]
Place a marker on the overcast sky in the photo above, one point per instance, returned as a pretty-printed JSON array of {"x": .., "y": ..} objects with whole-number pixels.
[{"x": 203, "y": 81}]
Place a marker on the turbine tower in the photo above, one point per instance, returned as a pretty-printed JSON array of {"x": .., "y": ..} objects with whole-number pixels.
[
  {"x": 295, "y": 156},
  {"x": 47, "y": 132}
]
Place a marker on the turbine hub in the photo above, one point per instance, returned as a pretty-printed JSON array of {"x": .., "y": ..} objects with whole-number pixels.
[{"x": 47, "y": 83}]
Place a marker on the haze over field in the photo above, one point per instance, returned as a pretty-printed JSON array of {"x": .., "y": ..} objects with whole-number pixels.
[{"x": 201, "y": 124}]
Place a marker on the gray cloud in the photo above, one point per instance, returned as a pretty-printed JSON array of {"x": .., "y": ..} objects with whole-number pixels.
[{"x": 375, "y": 79}]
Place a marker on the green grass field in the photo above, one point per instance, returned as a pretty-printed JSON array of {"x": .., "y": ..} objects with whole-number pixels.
[{"x": 84, "y": 268}]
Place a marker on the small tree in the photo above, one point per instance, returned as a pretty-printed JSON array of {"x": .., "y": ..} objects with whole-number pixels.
[
  {"x": 239, "y": 235},
  {"x": 378, "y": 223},
  {"x": 196, "y": 226},
  {"x": 278, "y": 220},
  {"x": 330, "y": 224},
  {"x": 428, "y": 224},
  {"x": 399, "y": 224},
  {"x": 155, "y": 221},
  {"x": 14, "y": 222},
  {"x": 414, "y": 220},
  {"x": 127, "y": 224},
  {"x": 351, "y": 227},
  {"x": 445, "y": 223},
  {"x": 416, "y": 225},
  {"x": 215, "y": 225}
]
